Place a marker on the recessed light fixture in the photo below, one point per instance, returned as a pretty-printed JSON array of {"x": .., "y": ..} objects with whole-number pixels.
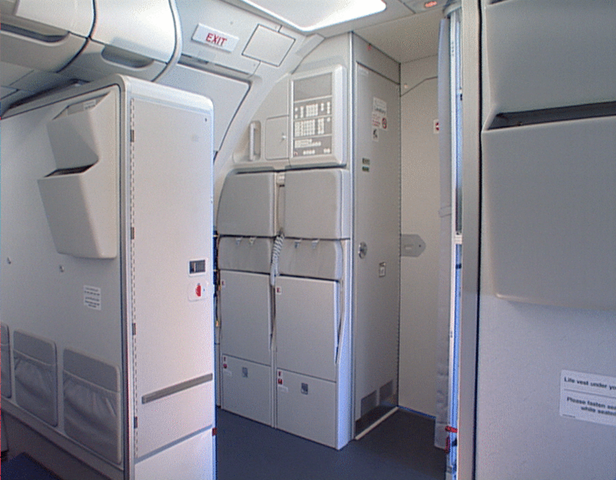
[
  {"x": 419, "y": 6},
  {"x": 310, "y": 15}
]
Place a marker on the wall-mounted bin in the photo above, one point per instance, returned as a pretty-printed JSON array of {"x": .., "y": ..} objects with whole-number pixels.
[{"x": 81, "y": 196}]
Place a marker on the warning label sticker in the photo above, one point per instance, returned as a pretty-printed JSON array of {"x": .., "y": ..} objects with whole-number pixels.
[
  {"x": 379, "y": 117},
  {"x": 588, "y": 397},
  {"x": 92, "y": 297}
]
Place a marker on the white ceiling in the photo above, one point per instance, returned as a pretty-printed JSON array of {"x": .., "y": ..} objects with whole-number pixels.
[
  {"x": 408, "y": 38},
  {"x": 398, "y": 31}
]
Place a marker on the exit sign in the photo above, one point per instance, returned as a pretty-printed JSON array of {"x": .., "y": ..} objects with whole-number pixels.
[{"x": 214, "y": 38}]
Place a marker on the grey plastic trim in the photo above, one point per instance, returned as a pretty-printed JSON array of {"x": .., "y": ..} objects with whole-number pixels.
[
  {"x": 168, "y": 391},
  {"x": 542, "y": 116}
]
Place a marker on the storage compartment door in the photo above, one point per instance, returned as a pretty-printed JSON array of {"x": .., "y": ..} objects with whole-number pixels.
[
  {"x": 193, "y": 458},
  {"x": 251, "y": 254},
  {"x": 306, "y": 407},
  {"x": 245, "y": 315},
  {"x": 171, "y": 268},
  {"x": 306, "y": 326},
  {"x": 551, "y": 208},
  {"x": 550, "y": 53},
  {"x": 317, "y": 204},
  {"x": 247, "y": 205},
  {"x": 247, "y": 389}
]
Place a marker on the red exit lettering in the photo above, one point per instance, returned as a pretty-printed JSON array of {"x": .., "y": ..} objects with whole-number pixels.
[{"x": 218, "y": 40}]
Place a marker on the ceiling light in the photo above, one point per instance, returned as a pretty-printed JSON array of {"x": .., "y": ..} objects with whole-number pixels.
[{"x": 310, "y": 15}]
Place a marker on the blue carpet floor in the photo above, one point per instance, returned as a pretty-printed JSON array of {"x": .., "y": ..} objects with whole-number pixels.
[
  {"x": 400, "y": 448},
  {"x": 23, "y": 466}
]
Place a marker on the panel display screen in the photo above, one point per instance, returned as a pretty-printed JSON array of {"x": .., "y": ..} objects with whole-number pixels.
[{"x": 312, "y": 116}]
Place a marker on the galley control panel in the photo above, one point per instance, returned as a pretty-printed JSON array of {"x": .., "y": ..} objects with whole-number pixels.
[{"x": 318, "y": 113}]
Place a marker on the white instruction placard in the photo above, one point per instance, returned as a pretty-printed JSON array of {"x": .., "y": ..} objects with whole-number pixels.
[
  {"x": 588, "y": 397},
  {"x": 92, "y": 297}
]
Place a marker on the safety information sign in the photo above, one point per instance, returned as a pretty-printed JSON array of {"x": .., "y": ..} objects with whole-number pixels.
[
  {"x": 588, "y": 397},
  {"x": 92, "y": 297},
  {"x": 379, "y": 117}
]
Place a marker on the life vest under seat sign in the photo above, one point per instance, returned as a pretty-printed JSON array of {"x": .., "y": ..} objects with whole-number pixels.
[{"x": 215, "y": 38}]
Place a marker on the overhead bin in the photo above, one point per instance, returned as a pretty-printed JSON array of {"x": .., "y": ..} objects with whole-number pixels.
[
  {"x": 83, "y": 40},
  {"x": 128, "y": 39},
  {"x": 531, "y": 46},
  {"x": 37, "y": 42}
]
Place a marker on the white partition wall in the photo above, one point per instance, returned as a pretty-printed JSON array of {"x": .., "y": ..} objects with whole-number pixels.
[
  {"x": 547, "y": 311},
  {"x": 118, "y": 341}
]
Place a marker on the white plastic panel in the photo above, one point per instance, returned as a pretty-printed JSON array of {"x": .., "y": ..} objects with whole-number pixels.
[
  {"x": 376, "y": 196},
  {"x": 306, "y": 407},
  {"x": 226, "y": 93},
  {"x": 541, "y": 58},
  {"x": 322, "y": 259},
  {"x": 252, "y": 254},
  {"x": 551, "y": 205},
  {"x": 62, "y": 312},
  {"x": 307, "y": 319},
  {"x": 247, "y": 205},
  {"x": 317, "y": 204},
  {"x": 247, "y": 389},
  {"x": 245, "y": 315},
  {"x": 277, "y": 138},
  {"x": 268, "y": 46},
  {"x": 192, "y": 458}
]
